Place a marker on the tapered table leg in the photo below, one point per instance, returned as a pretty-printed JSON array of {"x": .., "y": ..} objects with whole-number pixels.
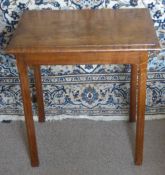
[
  {"x": 141, "y": 112},
  {"x": 39, "y": 93},
  {"x": 28, "y": 112},
  {"x": 133, "y": 85}
]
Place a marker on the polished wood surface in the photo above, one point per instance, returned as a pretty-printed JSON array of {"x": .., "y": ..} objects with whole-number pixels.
[
  {"x": 84, "y": 37},
  {"x": 22, "y": 68},
  {"x": 142, "y": 77},
  {"x": 85, "y": 30}
]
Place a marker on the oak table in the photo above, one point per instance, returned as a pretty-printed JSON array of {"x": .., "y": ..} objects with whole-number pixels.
[{"x": 104, "y": 36}]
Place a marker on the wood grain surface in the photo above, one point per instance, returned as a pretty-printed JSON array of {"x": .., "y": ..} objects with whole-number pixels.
[{"x": 85, "y": 30}]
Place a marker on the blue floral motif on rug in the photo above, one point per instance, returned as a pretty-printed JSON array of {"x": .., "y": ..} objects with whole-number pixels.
[{"x": 100, "y": 90}]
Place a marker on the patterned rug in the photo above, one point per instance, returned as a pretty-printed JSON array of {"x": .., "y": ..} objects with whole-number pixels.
[{"x": 88, "y": 90}]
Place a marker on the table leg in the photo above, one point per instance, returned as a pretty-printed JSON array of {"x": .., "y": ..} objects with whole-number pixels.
[
  {"x": 133, "y": 86},
  {"x": 39, "y": 93},
  {"x": 22, "y": 68},
  {"x": 140, "y": 113}
]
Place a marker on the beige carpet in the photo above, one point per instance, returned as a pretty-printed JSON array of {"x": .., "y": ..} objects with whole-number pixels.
[{"x": 82, "y": 147}]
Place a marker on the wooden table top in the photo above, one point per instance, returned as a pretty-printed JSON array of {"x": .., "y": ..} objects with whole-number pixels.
[{"x": 47, "y": 31}]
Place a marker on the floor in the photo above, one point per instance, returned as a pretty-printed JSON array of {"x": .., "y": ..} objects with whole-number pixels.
[{"x": 82, "y": 147}]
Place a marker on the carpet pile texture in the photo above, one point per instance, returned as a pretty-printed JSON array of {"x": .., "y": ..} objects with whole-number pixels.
[{"x": 82, "y": 147}]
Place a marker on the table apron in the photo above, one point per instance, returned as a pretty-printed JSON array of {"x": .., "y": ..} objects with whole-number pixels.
[{"x": 72, "y": 58}]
